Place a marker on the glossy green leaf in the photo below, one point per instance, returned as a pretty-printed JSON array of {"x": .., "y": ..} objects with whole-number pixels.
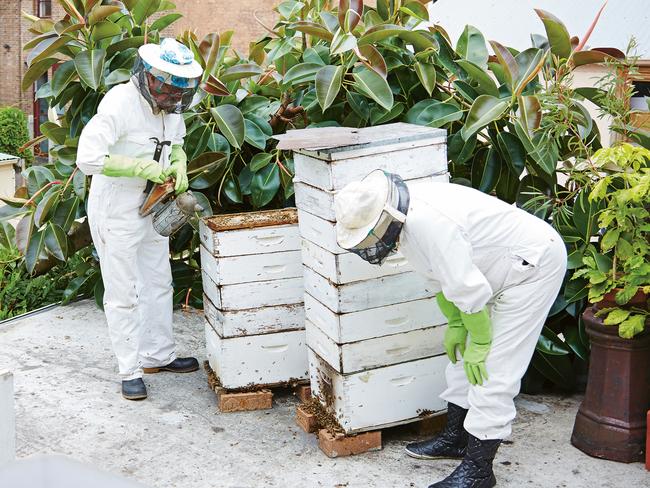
[
  {"x": 380, "y": 116},
  {"x": 56, "y": 242},
  {"x": 24, "y": 232},
  {"x": 549, "y": 343},
  {"x": 124, "y": 44},
  {"x": 80, "y": 185},
  {"x": 557, "y": 34},
  {"x": 557, "y": 369},
  {"x": 265, "y": 185},
  {"x": 240, "y": 71},
  {"x": 205, "y": 163},
  {"x": 485, "y": 110},
  {"x": 90, "y": 66},
  {"x": 63, "y": 76},
  {"x": 342, "y": 43},
  {"x": 374, "y": 86},
  {"x": 460, "y": 150},
  {"x": 485, "y": 172},
  {"x": 118, "y": 76},
  {"x": 165, "y": 21},
  {"x": 46, "y": 48},
  {"x": 45, "y": 206},
  {"x": 433, "y": 113},
  {"x": 143, "y": 9},
  {"x": 104, "y": 30},
  {"x": 301, "y": 73},
  {"x": 328, "y": 84},
  {"x": 230, "y": 121},
  {"x": 65, "y": 213},
  {"x": 471, "y": 46},
  {"x": 35, "y": 71},
  {"x": 507, "y": 62},
  {"x": 34, "y": 250},
  {"x": 427, "y": 74},
  {"x": 372, "y": 58},
  {"x": 513, "y": 150},
  {"x": 530, "y": 113},
  {"x": 259, "y": 161},
  {"x": 254, "y": 135},
  {"x": 530, "y": 63},
  {"x": 313, "y": 29},
  {"x": 486, "y": 84},
  {"x": 585, "y": 215},
  {"x": 574, "y": 341}
]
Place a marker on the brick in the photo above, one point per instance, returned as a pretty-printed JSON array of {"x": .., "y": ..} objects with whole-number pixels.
[
  {"x": 303, "y": 392},
  {"x": 306, "y": 421},
  {"x": 430, "y": 425},
  {"x": 341, "y": 445},
  {"x": 242, "y": 402}
]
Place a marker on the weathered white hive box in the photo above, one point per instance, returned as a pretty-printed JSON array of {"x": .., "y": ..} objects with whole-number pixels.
[
  {"x": 253, "y": 298},
  {"x": 374, "y": 332}
]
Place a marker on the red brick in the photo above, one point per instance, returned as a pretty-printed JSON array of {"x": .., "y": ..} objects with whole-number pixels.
[
  {"x": 306, "y": 421},
  {"x": 342, "y": 445},
  {"x": 303, "y": 392},
  {"x": 241, "y": 402}
]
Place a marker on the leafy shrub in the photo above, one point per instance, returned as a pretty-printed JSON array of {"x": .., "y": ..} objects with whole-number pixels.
[{"x": 14, "y": 133}]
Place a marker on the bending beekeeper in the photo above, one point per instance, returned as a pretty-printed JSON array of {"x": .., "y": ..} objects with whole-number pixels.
[
  {"x": 499, "y": 269},
  {"x": 117, "y": 147}
]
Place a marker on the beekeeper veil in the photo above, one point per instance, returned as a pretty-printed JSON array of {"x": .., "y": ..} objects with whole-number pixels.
[
  {"x": 370, "y": 215},
  {"x": 167, "y": 75}
]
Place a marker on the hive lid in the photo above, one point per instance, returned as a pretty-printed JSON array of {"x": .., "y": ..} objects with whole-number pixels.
[{"x": 339, "y": 142}]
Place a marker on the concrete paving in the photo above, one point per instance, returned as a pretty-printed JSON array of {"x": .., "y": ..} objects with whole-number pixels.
[{"x": 68, "y": 402}]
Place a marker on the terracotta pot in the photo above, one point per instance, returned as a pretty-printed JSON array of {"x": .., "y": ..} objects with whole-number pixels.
[
  {"x": 611, "y": 422},
  {"x": 639, "y": 300}
]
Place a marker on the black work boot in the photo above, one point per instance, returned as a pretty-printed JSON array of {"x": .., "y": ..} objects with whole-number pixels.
[
  {"x": 134, "y": 389},
  {"x": 178, "y": 365},
  {"x": 476, "y": 469},
  {"x": 448, "y": 444}
]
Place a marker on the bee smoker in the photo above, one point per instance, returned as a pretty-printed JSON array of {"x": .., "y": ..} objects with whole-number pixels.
[{"x": 169, "y": 213}]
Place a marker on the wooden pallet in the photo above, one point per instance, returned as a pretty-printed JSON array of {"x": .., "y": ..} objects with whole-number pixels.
[
  {"x": 337, "y": 444},
  {"x": 255, "y": 397}
]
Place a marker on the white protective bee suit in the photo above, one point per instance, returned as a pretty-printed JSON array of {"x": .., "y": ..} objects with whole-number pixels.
[
  {"x": 134, "y": 259},
  {"x": 484, "y": 252}
]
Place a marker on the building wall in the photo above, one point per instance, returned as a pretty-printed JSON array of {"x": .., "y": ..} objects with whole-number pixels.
[{"x": 13, "y": 34}]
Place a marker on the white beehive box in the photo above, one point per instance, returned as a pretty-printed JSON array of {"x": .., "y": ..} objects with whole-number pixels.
[
  {"x": 362, "y": 295},
  {"x": 8, "y": 166},
  {"x": 253, "y": 298},
  {"x": 380, "y": 397},
  {"x": 373, "y": 322},
  {"x": 268, "y": 359},
  {"x": 376, "y": 352},
  {"x": 411, "y": 151}
]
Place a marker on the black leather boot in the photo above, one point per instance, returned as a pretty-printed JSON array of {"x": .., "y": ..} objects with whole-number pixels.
[
  {"x": 449, "y": 444},
  {"x": 178, "y": 365},
  {"x": 476, "y": 469},
  {"x": 134, "y": 389}
]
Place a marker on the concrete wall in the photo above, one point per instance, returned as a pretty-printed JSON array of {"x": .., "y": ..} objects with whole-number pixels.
[
  {"x": 512, "y": 21},
  {"x": 7, "y": 418}
]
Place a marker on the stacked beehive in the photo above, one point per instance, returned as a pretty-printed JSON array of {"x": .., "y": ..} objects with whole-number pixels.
[
  {"x": 374, "y": 333},
  {"x": 253, "y": 298}
]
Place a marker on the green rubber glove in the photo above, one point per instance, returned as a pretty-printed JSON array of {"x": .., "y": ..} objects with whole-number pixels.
[
  {"x": 479, "y": 327},
  {"x": 456, "y": 333},
  {"x": 178, "y": 169},
  {"x": 118, "y": 165}
]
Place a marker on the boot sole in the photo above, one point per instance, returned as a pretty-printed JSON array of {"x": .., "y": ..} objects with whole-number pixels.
[
  {"x": 134, "y": 397},
  {"x": 170, "y": 370},
  {"x": 429, "y": 458}
]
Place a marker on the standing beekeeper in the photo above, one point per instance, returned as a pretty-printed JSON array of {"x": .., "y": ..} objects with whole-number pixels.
[
  {"x": 117, "y": 148},
  {"x": 499, "y": 269}
]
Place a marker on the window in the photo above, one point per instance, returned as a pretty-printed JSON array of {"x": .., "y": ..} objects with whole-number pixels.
[{"x": 44, "y": 8}]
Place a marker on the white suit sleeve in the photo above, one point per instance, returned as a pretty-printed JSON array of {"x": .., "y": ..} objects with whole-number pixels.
[
  {"x": 449, "y": 253},
  {"x": 100, "y": 133},
  {"x": 179, "y": 133}
]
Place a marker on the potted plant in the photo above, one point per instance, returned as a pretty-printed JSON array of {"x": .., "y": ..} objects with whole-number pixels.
[{"x": 611, "y": 422}]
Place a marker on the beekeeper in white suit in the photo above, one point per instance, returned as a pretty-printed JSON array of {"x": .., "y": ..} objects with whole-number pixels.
[
  {"x": 499, "y": 269},
  {"x": 117, "y": 148}
]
